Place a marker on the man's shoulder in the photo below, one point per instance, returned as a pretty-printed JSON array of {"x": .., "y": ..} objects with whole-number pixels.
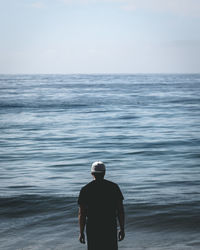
[
  {"x": 105, "y": 183},
  {"x": 110, "y": 183},
  {"x": 88, "y": 185}
]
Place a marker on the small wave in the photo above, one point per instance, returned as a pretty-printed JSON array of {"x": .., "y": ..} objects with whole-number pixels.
[
  {"x": 27, "y": 205},
  {"x": 128, "y": 117},
  {"x": 21, "y": 186},
  {"x": 41, "y": 105},
  {"x": 178, "y": 216},
  {"x": 186, "y": 101}
]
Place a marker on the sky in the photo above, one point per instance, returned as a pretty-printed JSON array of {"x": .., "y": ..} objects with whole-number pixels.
[{"x": 99, "y": 36}]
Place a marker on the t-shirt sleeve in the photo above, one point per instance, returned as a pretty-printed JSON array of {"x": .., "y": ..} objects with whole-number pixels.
[
  {"x": 82, "y": 200},
  {"x": 119, "y": 194}
]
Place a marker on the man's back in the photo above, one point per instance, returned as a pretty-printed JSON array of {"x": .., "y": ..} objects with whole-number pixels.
[{"x": 100, "y": 198}]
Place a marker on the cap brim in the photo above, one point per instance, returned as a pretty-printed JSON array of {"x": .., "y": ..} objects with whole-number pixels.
[{"x": 98, "y": 171}]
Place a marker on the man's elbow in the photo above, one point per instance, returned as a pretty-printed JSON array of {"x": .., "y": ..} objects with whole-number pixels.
[
  {"x": 120, "y": 208},
  {"x": 82, "y": 212}
]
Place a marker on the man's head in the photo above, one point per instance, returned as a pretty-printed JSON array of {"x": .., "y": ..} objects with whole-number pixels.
[{"x": 98, "y": 170}]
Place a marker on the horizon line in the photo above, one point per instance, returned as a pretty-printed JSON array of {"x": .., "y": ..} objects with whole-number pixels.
[{"x": 152, "y": 73}]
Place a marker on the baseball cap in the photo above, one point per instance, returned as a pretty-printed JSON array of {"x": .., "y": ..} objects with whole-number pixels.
[{"x": 98, "y": 167}]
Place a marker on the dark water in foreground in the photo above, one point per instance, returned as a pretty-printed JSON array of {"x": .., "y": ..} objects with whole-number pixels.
[{"x": 146, "y": 128}]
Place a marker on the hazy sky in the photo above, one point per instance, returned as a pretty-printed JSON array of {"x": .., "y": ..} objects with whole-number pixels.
[{"x": 100, "y": 36}]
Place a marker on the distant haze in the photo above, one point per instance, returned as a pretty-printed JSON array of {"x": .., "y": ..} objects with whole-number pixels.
[{"x": 99, "y": 36}]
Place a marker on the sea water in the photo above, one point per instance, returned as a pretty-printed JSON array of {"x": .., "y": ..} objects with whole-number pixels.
[{"x": 145, "y": 128}]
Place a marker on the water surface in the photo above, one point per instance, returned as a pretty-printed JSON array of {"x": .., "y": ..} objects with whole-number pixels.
[{"x": 146, "y": 128}]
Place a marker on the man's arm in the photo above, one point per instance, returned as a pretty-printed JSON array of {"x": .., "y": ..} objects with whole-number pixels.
[
  {"x": 82, "y": 221},
  {"x": 120, "y": 214}
]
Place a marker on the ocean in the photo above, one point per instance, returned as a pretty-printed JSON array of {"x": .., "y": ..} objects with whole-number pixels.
[{"x": 144, "y": 127}]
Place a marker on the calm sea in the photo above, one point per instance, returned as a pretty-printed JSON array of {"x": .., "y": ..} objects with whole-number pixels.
[{"x": 145, "y": 128}]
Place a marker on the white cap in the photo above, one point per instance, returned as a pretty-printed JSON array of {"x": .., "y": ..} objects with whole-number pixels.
[{"x": 98, "y": 167}]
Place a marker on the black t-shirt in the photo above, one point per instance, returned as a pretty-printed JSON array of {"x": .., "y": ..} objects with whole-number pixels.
[{"x": 100, "y": 199}]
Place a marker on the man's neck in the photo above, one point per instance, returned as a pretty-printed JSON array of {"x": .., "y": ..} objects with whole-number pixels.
[{"x": 98, "y": 179}]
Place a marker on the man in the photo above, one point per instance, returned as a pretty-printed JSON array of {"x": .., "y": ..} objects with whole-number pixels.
[{"x": 100, "y": 203}]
